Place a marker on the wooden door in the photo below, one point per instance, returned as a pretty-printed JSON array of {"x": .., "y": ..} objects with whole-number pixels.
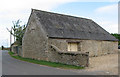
[{"x": 72, "y": 47}]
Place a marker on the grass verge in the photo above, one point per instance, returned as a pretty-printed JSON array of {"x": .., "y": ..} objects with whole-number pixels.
[{"x": 47, "y": 63}]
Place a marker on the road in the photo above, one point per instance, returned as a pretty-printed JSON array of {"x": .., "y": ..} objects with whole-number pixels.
[{"x": 11, "y": 66}]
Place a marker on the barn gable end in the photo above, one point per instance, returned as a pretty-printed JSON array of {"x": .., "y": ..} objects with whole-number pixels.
[{"x": 34, "y": 40}]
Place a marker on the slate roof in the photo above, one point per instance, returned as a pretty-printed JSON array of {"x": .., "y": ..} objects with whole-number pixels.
[{"x": 70, "y": 27}]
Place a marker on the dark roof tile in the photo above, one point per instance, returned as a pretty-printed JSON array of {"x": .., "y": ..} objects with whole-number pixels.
[{"x": 65, "y": 26}]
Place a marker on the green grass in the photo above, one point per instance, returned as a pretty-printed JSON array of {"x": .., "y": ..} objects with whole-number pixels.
[{"x": 47, "y": 63}]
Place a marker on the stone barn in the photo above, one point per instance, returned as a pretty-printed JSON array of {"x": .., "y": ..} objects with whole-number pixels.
[{"x": 65, "y": 39}]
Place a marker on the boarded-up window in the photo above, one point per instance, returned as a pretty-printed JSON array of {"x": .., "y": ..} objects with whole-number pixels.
[{"x": 72, "y": 46}]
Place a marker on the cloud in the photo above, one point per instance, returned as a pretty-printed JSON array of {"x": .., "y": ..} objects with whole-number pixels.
[
  {"x": 107, "y": 17},
  {"x": 20, "y": 9},
  {"x": 22, "y": 4},
  {"x": 4, "y": 35},
  {"x": 12, "y": 10},
  {"x": 111, "y": 27},
  {"x": 110, "y": 9}
]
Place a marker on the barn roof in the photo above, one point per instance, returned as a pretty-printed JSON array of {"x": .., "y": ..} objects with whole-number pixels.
[{"x": 65, "y": 26}]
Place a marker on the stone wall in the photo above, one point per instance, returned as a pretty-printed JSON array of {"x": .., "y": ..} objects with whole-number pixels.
[
  {"x": 70, "y": 58},
  {"x": 14, "y": 49},
  {"x": 94, "y": 47},
  {"x": 20, "y": 53},
  {"x": 98, "y": 48},
  {"x": 34, "y": 43},
  {"x": 59, "y": 43},
  {"x": 17, "y": 50},
  {"x": 57, "y": 52}
]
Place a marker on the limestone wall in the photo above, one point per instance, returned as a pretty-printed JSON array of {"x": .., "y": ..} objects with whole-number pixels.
[
  {"x": 94, "y": 47},
  {"x": 34, "y": 40},
  {"x": 57, "y": 52},
  {"x": 14, "y": 49},
  {"x": 17, "y": 50},
  {"x": 59, "y": 43},
  {"x": 98, "y": 48},
  {"x": 20, "y": 53},
  {"x": 70, "y": 58}
]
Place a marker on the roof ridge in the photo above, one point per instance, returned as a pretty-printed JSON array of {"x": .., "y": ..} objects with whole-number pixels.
[{"x": 61, "y": 14}]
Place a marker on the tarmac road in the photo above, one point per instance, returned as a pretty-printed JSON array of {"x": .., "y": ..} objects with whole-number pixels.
[{"x": 11, "y": 66}]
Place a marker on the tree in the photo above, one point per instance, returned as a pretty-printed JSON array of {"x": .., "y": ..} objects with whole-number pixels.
[
  {"x": 117, "y": 36},
  {"x": 17, "y": 31}
]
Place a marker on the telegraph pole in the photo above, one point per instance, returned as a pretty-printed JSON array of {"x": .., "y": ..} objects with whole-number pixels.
[
  {"x": 11, "y": 37},
  {"x": 14, "y": 36}
]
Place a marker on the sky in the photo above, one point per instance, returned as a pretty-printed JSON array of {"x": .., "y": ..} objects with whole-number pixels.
[{"x": 103, "y": 12}]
